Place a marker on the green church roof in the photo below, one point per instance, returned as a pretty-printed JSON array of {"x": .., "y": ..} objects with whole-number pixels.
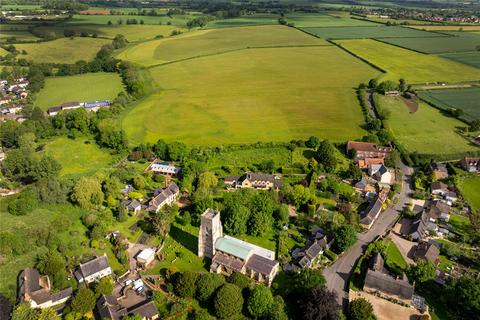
[{"x": 233, "y": 247}]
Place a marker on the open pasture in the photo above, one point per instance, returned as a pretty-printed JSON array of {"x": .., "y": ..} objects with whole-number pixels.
[
  {"x": 83, "y": 87},
  {"x": 243, "y": 21},
  {"x": 468, "y": 58},
  {"x": 424, "y": 131},
  {"x": 17, "y": 36},
  {"x": 362, "y": 32},
  {"x": 176, "y": 20},
  {"x": 269, "y": 94},
  {"x": 208, "y": 42},
  {"x": 469, "y": 184},
  {"x": 79, "y": 156},
  {"x": 457, "y": 42},
  {"x": 64, "y": 50},
  {"x": 303, "y": 20},
  {"x": 412, "y": 66},
  {"x": 133, "y": 32},
  {"x": 466, "y": 99}
]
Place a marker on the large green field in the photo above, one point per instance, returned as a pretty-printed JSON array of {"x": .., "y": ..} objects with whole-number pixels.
[
  {"x": 303, "y": 20},
  {"x": 469, "y": 186},
  {"x": 79, "y": 156},
  {"x": 208, "y": 42},
  {"x": 425, "y": 131},
  {"x": 247, "y": 20},
  {"x": 457, "y": 42},
  {"x": 131, "y": 32},
  {"x": 413, "y": 66},
  {"x": 64, "y": 50},
  {"x": 375, "y": 31},
  {"x": 84, "y": 87},
  {"x": 177, "y": 20},
  {"x": 466, "y": 99},
  {"x": 469, "y": 58},
  {"x": 269, "y": 94}
]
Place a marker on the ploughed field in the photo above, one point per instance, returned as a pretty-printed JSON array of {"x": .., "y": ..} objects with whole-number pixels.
[
  {"x": 81, "y": 88},
  {"x": 257, "y": 94}
]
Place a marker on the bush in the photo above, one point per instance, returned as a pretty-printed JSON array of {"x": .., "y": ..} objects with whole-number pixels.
[
  {"x": 228, "y": 301},
  {"x": 330, "y": 254},
  {"x": 184, "y": 283},
  {"x": 26, "y": 202},
  {"x": 240, "y": 280},
  {"x": 361, "y": 309},
  {"x": 260, "y": 301},
  {"x": 208, "y": 284}
]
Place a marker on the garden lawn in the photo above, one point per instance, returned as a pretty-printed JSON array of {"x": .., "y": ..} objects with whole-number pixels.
[
  {"x": 213, "y": 41},
  {"x": 457, "y": 42},
  {"x": 393, "y": 255},
  {"x": 78, "y": 157},
  {"x": 469, "y": 185},
  {"x": 468, "y": 58},
  {"x": 461, "y": 224},
  {"x": 82, "y": 88},
  {"x": 466, "y": 99},
  {"x": 412, "y": 66},
  {"x": 271, "y": 94},
  {"x": 426, "y": 130},
  {"x": 373, "y": 31},
  {"x": 64, "y": 50},
  {"x": 131, "y": 32}
]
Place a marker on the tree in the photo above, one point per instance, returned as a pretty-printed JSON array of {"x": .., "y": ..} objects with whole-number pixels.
[
  {"x": 207, "y": 180},
  {"x": 23, "y": 311},
  {"x": 372, "y": 84},
  {"x": 177, "y": 151},
  {"x": 318, "y": 303},
  {"x": 345, "y": 237},
  {"x": 84, "y": 301},
  {"x": 184, "y": 283},
  {"x": 48, "y": 314},
  {"x": 50, "y": 262},
  {"x": 110, "y": 136},
  {"x": 235, "y": 217},
  {"x": 260, "y": 301},
  {"x": 388, "y": 85},
  {"x": 326, "y": 156},
  {"x": 277, "y": 312},
  {"x": 461, "y": 295},
  {"x": 312, "y": 142},
  {"x": 119, "y": 41},
  {"x": 299, "y": 195},
  {"x": 261, "y": 219},
  {"x": 68, "y": 33},
  {"x": 87, "y": 192},
  {"x": 139, "y": 182},
  {"x": 402, "y": 85},
  {"x": 207, "y": 284},
  {"x": 423, "y": 271},
  {"x": 307, "y": 279},
  {"x": 240, "y": 280},
  {"x": 162, "y": 221},
  {"x": 104, "y": 286},
  {"x": 23, "y": 204},
  {"x": 52, "y": 190},
  {"x": 475, "y": 125},
  {"x": 161, "y": 149},
  {"x": 27, "y": 142},
  {"x": 228, "y": 301},
  {"x": 361, "y": 309}
]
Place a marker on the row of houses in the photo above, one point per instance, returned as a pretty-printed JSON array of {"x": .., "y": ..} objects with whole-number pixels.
[
  {"x": 12, "y": 96},
  {"x": 91, "y": 106},
  {"x": 253, "y": 180},
  {"x": 161, "y": 197}
]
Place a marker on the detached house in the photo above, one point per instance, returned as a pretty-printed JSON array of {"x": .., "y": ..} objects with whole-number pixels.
[
  {"x": 93, "y": 270},
  {"x": 133, "y": 206},
  {"x": 471, "y": 164},
  {"x": 316, "y": 245},
  {"x": 253, "y": 180},
  {"x": 439, "y": 188},
  {"x": 163, "y": 197},
  {"x": 35, "y": 289},
  {"x": 439, "y": 171},
  {"x": 380, "y": 173}
]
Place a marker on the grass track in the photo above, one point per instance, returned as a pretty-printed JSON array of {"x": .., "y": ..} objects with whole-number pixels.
[
  {"x": 412, "y": 66},
  {"x": 64, "y": 50},
  {"x": 253, "y": 95},
  {"x": 424, "y": 131},
  {"x": 208, "y": 42},
  {"x": 84, "y": 87}
]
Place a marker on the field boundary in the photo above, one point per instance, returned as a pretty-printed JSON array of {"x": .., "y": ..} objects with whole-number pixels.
[
  {"x": 235, "y": 50},
  {"x": 357, "y": 56},
  {"x": 437, "y": 104}
]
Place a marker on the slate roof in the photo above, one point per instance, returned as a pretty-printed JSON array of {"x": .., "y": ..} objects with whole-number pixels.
[
  {"x": 427, "y": 251},
  {"x": 260, "y": 264},
  {"x": 419, "y": 225},
  {"x": 66, "y": 293},
  {"x": 372, "y": 212},
  {"x": 147, "y": 310},
  {"x": 29, "y": 281},
  {"x": 385, "y": 283},
  {"x": 109, "y": 308},
  {"x": 228, "y": 261},
  {"x": 93, "y": 266},
  {"x": 161, "y": 196},
  {"x": 438, "y": 185}
]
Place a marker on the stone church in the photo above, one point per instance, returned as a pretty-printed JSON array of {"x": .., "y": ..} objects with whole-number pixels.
[{"x": 230, "y": 255}]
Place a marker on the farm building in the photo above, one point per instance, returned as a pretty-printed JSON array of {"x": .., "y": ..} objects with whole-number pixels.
[
  {"x": 230, "y": 255},
  {"x": 165, "y": 169}
]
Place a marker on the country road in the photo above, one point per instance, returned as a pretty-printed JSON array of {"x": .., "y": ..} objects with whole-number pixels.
[{"x": 338, "y": 273}]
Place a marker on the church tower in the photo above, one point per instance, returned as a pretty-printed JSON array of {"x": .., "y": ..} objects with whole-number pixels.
[{"x": 210, "y": 230}]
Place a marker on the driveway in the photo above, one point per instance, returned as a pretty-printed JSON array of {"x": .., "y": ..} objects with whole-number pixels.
[{"x": 338, "y": 273}]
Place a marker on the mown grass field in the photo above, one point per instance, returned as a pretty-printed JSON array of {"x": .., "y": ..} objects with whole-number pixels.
[
  {"x": 426, "y": 131},
  {"x": 469, "y": 186},
  {"x": 466, "y": 99},
  {"x": 64, "y": 50},
  {"x": 457, "y": 42},
  {"x": 271, "y": 94},
  {"x": 468, "y": 58},
  {"x": 131, "y": 32},
  {"x": 374, "y": 31},
  {"x": 78, "y": 157},
  {"x": 207, "y": 42},
  {"x": 414, "y": 67},
  {"x": 84, "y": 87}
]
